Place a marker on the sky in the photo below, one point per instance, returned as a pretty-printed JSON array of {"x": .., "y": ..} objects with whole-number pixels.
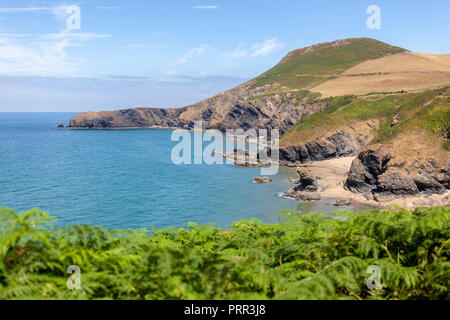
[{"x": 115, "y": 54}]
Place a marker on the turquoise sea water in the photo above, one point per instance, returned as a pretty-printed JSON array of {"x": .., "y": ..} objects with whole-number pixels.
[{"x": 125, "y": 179}]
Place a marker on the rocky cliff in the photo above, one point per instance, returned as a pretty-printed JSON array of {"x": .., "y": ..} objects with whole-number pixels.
[
  {"x": 382, "y": 174},
  {"x": 343, "y": 142},
  {"x": 278, "y": 98},
  {"x": 411, "y": 156},
  {"x": 243, "y": 107},
  {"x": 360, "y": 97}
]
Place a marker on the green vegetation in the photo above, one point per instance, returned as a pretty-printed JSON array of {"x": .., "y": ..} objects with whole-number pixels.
[
  {"x": 342, "y": 111},
  {"x": 299, "y": 95},
  {"x": 385, "y": 93},
  {"x": 304, "y": 257},
  {"x": 429, "y": 110},
  {"x": 304, "y": 69}
]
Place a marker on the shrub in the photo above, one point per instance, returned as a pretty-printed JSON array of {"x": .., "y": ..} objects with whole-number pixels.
[{"x": 304, "y": 257}]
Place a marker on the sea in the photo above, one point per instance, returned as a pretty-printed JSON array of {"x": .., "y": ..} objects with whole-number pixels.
[{"x": 124, "y": 179}]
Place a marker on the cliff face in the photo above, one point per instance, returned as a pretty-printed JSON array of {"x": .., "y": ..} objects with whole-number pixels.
[
  {"x": 410, "y": 157},
  {"x": 232, "y": 109},
  {"x": 130, "y": 118},
  {"x": 276, "y": 99},
  {"x": 344, "y": 142},
  {"x": 380, "y": 172}
]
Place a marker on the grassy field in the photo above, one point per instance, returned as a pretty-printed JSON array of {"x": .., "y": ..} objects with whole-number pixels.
[{"x": 304, "y": 257}]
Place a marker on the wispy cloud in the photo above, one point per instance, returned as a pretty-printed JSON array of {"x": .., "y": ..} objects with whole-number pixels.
[
  {"x": 59, "y": 35},
  {"x": 205, "y": 7},
  {"x": 146, "y": 46},
  {"x": 194, "y": 52},
  {"x": 44, "y": 59},
  {"x": 58, "y": 11},
  {"x": 27, "y": 9},
  {"x": 259, "y": 49},
  {"x": 46, "y": 55},
  {"x": 81, "y": 36},
  {"x": 42, "y": 54},
  {"x": 15, "y": 35}
]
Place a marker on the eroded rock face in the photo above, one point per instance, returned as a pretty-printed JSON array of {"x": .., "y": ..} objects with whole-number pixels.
[
  {"x": 378, "y": 172},
  {"x": 342, "y": 143},
  {"x": 233, "y": 109},
  {"x": 130, "y": 118},
  {"x": 306, "y": 187},
  {"x": 306, "y": 181}
]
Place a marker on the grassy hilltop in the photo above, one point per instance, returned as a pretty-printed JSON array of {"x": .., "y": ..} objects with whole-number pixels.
[{"x": 313, "y": 65}]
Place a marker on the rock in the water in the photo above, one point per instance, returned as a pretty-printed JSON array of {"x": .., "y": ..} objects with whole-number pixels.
[
  {"x": 301, "y": 195},
  {"x": 262, "y": 180},
  {"x": 305, "y": 187},
  {"x": 307, "y": 182},
  {"x": 61, "y": 126},
  {"x": 343, "y": 203}
]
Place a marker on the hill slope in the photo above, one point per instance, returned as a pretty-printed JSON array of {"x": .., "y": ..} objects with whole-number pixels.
[
  {"x": 276, "y": 99},
  {"x": 352, "y": 97}
]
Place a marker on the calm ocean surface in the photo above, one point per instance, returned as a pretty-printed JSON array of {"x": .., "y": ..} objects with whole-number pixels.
[{"x": 125, "y": 179}]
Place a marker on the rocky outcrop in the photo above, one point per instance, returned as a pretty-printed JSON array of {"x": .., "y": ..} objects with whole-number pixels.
[
  {"x": 130, "y": 118},
  {"x": 243, "y": 107},
  {"x": 262, "y": 180},
  {"x": 343, "y": 203},
  {"x": 306, "y": 187},
  {"x": 342, "y": 143},
  {"x": 379, "y": 172},
  {"x": 305, "y": 182}
]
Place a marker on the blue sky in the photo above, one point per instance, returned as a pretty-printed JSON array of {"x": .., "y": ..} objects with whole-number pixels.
[{"x": 172, "y": 53}]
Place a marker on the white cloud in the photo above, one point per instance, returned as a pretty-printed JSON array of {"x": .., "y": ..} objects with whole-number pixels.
[
  {"x": 260, "y": 49},
  {"x": 194, "y": 52},
  {"x": 44, "y": 59},
  {"x": 171, "y": 72},
  {"x": 61, "y": 12},
  {"x": 205, "y": 7},
  {"x": 58, "y": 11},
  {"x": 35, "y": 54}
]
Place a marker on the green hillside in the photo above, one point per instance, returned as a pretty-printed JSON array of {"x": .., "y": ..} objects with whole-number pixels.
[
  {"x": 429, "y": 110},
  {"x": 308, "y": 67}
]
